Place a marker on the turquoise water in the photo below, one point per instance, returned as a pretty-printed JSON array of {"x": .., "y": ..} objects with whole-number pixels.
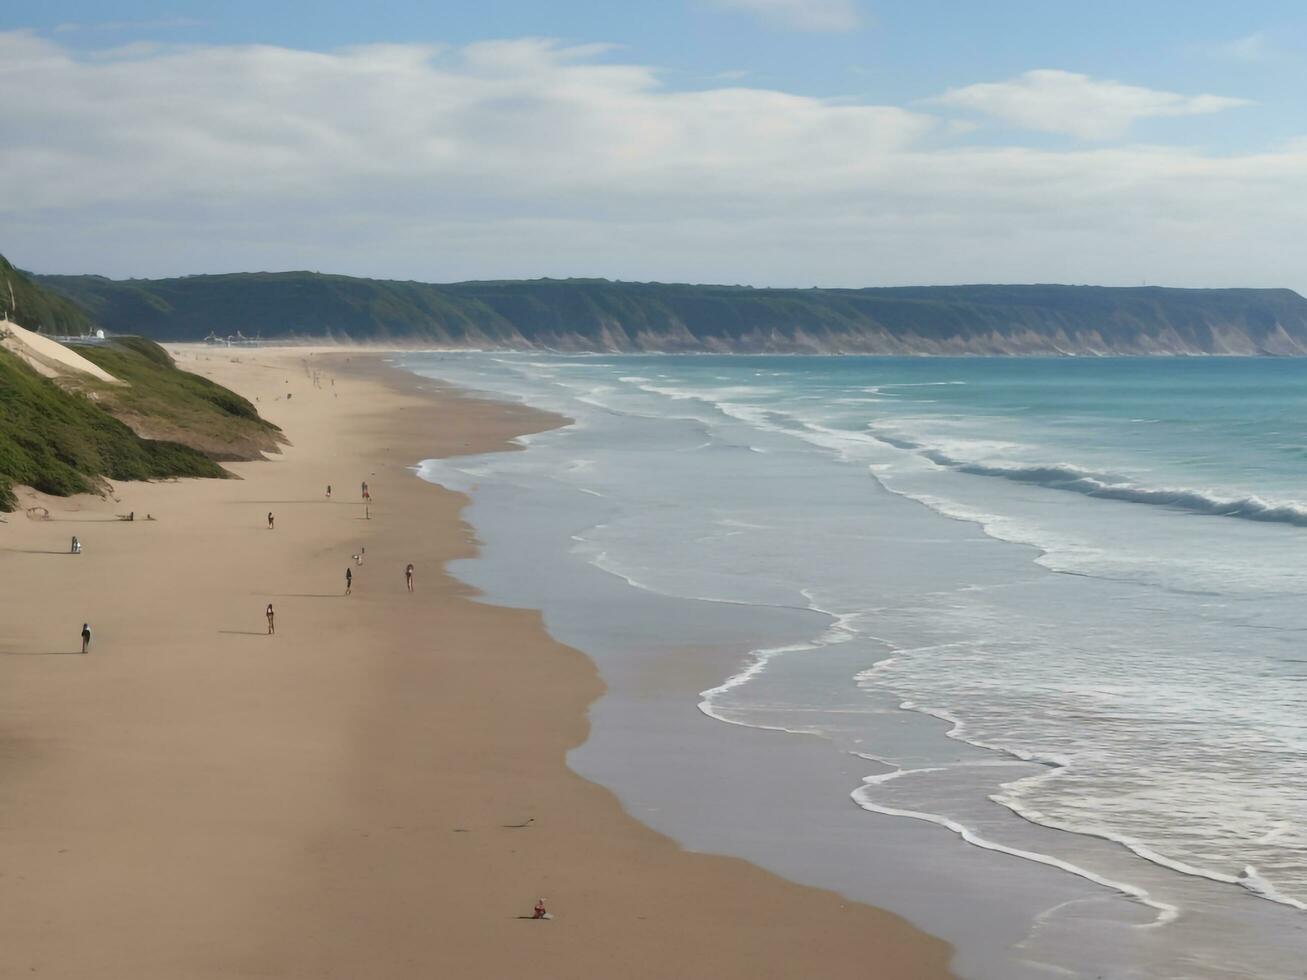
[{"x": 1087, "y": 575}]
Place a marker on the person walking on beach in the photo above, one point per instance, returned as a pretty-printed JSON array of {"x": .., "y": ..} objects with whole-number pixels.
[
  {"x": 363, "y": 489},
  {"x": 270, "y": 519},
  {"x": 349, "y": 579},
  {"x": 86, "y": 637},
  {"x": 408, "y": 576},
  {"x": 76, "y": 547},
  {"x": 272, "y": 625},
  {"x": 328, "y": 491}
]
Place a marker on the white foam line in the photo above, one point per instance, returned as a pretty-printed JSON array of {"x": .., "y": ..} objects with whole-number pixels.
[
  {"x": 760, "y": 659},
  {"x": 601, "y": 562},
  {"x": 1248, "y": 878},
  {"x": 893, "y": 774},
  {"x": 1166, "y": 913},
  {"x": 837, "y": 632}
]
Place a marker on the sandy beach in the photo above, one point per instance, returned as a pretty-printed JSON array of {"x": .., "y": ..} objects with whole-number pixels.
[{"x": 377, "y": 791}]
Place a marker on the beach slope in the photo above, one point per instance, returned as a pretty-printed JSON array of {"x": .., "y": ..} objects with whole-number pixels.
[{"x": 377, "y": 791}]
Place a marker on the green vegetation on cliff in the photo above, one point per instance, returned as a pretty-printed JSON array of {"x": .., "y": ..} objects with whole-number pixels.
[
  {"x": 30, "y": 306},
  {"x": 160, "y": 401},
  {"x": 69, "y": 437},
  {"x": 599, "y": 315},
  {"x": 61, "y": 442}
]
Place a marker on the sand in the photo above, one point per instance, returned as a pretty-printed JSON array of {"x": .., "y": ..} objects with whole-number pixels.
[
  {"x": 48, "y": 357},
  {"x": 379, "y": 790}
]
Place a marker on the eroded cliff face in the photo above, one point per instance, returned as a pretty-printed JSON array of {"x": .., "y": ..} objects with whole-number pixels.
[
  {"x": 1228, "y": 341},
  {"x": 598, "y": 315}
]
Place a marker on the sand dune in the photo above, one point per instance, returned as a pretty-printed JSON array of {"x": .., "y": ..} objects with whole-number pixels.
[{"x": 49, "y": 357}]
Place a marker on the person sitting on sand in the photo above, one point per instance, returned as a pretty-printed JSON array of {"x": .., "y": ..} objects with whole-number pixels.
[
  {"x": 349, "y": 580},
  {"x": 540, "y": 912},
  {"x": 86, "y": 637},
  {"x": 270, "y": 520},
  {"x": 408, "y": 576},
  {"x": 272, "y": 626}
]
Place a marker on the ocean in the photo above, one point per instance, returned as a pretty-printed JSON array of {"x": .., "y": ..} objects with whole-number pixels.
[{"x": 1014, "y": 647}]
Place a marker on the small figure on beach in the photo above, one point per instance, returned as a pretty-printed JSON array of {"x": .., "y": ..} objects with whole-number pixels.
[
  {"x": 358, "y": 559},
  {"x": 408, "y": 576},
  {"x": 270, "y": 520},
  {"x": 363, "y": 489},
  {"x": 349, "y": 580},
  {"x": 539, "y": 911},
  {"x": 272, "y": 625},
  {"x": 76, "y": 547},
  {"x": 328, "y": 491},
  {"x": 86, "y": 637}
]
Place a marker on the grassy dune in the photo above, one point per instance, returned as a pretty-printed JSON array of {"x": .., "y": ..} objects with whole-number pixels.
[{"x": 65, "y": 438}]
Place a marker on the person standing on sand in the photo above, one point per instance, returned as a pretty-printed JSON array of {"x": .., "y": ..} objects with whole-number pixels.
[
  {"x": 86, "y": 637},
  {"x": 408, "y": 576},
  {"x": 328, "y": 491},
  {"x": 349, "y": 580},
  {"x": 272, "y": 626},
  {"x": 270, "y": 520}
]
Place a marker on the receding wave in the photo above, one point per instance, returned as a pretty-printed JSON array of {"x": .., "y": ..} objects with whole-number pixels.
[{"x": 1064, "y": 476}]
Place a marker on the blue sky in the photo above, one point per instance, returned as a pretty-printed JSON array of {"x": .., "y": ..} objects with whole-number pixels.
[{"x": 765, "y": 141}]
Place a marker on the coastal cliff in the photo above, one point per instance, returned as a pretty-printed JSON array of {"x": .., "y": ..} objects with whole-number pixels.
[{"x": 601, "y": 315}]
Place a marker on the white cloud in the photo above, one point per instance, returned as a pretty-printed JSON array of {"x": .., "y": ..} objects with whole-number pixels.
[
  {"x": 835, "y": 16},
  {"x": 1078, "y": 105},
  {"x": 527, "y": 157}
]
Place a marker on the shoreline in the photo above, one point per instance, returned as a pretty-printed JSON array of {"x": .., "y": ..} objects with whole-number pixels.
[
  {"x": 653, "y": 495},
  {"x": 188, "y": 802}
]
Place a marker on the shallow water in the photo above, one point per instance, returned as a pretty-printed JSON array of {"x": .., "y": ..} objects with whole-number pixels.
[{"x": 1043, "y": 616}]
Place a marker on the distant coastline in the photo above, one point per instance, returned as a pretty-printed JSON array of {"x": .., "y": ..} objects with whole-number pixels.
[{"x": 602, "y": 316}]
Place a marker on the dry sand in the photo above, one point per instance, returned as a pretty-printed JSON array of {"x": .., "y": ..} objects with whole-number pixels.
[
  {"x": 196, "y": 799},
  {"x": 48, "y": 357}
]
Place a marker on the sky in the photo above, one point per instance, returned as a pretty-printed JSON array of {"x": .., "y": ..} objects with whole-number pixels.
[{"x": 768, "y": 142}]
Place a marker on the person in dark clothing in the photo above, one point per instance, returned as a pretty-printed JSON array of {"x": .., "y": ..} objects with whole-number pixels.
[{"x": 86, "y": 637}]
